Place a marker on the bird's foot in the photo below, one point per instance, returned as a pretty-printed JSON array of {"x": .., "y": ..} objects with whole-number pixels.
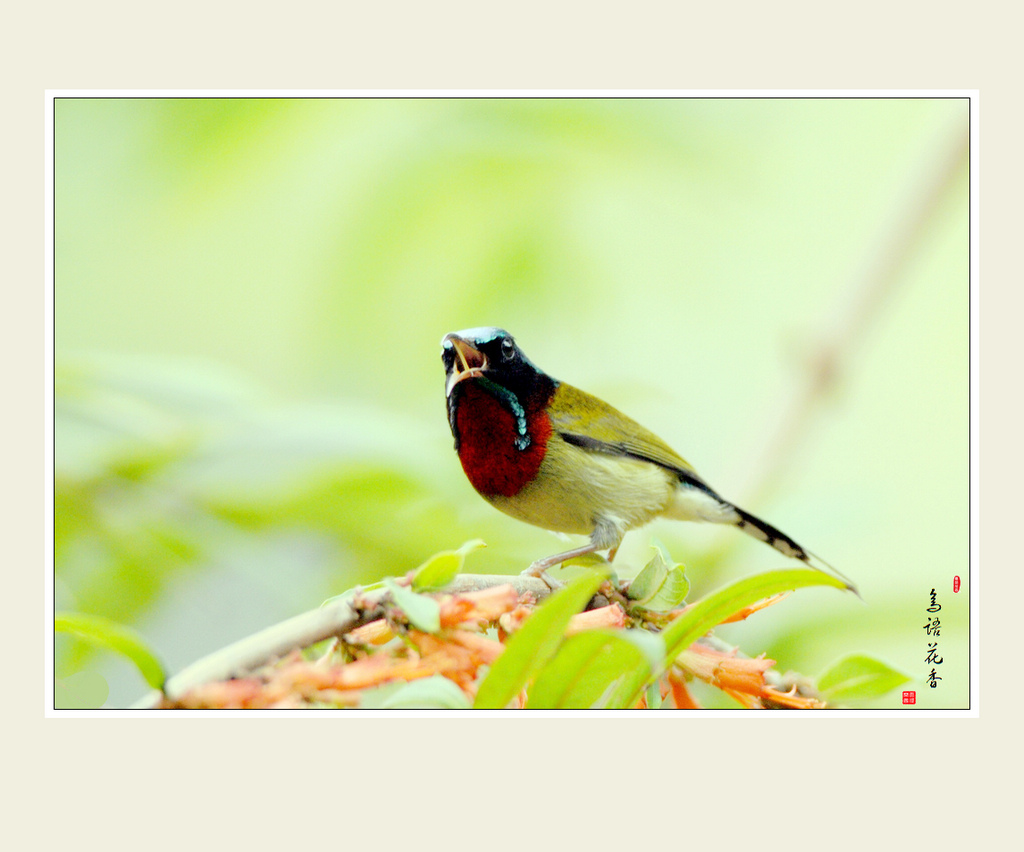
[{"x": 539, "y": 570}]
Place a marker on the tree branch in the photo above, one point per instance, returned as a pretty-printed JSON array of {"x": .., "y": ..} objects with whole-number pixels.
[{"x": 334, "y": 619}]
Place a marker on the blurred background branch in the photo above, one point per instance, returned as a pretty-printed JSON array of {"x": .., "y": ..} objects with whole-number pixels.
[{"x": 901, "y": 235}]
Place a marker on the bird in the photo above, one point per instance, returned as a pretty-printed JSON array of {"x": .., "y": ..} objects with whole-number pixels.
[{"x": 549, "y": 454}]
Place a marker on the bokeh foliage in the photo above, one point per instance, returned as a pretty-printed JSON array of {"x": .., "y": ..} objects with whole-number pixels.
[{"x": 249, "y": 295}]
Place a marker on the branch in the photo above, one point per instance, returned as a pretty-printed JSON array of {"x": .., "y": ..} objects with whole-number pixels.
[
  {"x": 449, "y": 642},
  {"x": 334, "y": 619}
]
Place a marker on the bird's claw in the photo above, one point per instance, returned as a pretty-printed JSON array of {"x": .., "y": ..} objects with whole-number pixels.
[{"x": 541, "y": 573}]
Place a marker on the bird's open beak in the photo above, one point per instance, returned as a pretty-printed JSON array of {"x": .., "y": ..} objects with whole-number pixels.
[{"x": 469, "y": 362}]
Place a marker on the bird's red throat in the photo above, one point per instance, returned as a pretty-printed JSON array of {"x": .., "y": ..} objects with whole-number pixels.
[{"x": 493, "y": 463}]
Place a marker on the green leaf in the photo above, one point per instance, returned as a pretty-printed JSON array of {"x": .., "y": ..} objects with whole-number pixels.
[
  {"x": 859, "y": 677},
  {"x": 423, "y": 613},
  {"x": 535, "y": 642},
  {"x": 595, "y": 669},
  {"x": 649, "y": 580},
  {"x": 438, "y": 571},
  {"x": 651, "y": 645},
  {"x": 429, "y": 693},
  {"x": 661, "y": 585},
  {"x": 588, "y": 560},
  {"x": 115, "y": 637},
  {"x": 712, "y": 610},
  {"x": 672, "y": 592}
]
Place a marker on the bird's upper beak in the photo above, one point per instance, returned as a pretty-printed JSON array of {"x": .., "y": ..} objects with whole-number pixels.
[{"x": 467, "y": 362}]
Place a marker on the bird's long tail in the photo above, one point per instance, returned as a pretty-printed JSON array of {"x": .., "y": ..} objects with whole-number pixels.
[
  {"x": 754, "y": 526},
  {"x": 697, "y": 501}
]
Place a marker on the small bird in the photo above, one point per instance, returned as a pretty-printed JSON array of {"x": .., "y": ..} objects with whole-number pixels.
[{"x": 554, "y": 456}]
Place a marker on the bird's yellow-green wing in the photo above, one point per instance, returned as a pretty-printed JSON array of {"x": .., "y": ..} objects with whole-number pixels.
[{"x": 591, "y": 423}]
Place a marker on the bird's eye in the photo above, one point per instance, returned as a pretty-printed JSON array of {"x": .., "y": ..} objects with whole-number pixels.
[{"x": 508, "y": 349}]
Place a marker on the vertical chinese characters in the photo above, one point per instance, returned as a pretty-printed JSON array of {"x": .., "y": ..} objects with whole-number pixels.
[{"x": 931, "y": 628}]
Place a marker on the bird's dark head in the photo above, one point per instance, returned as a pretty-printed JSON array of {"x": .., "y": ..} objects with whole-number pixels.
[
  {"x": 489, "y": 359},
  {"x": 491, "y": 354}
]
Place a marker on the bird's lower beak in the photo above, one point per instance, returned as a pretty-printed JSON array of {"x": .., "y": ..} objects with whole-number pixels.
[{"x": 469, "y": 362}]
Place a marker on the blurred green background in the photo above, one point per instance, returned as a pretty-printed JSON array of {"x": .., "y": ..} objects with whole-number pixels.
[{"x": 250, "y": 295}]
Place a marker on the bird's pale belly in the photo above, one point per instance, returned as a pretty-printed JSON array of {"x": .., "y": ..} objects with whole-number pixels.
[{"x": 576, "y": 489}]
